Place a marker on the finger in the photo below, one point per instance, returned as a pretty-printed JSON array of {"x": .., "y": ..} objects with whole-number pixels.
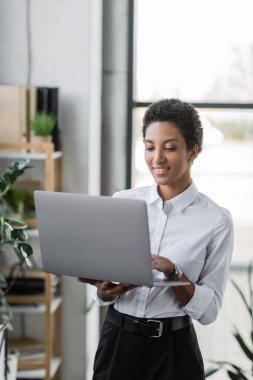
[
  {"x": 89, "y": 281},
  {"x": 122, "y": 288},
  {"x": 85, "y": 280},
  {"x": 105, "y": 285}
]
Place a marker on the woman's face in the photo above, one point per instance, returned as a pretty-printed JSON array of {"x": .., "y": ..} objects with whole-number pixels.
[{"x": 167, "y": 157}]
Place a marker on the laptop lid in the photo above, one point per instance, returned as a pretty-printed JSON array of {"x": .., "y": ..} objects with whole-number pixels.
[{"x": 96, "y": 237}]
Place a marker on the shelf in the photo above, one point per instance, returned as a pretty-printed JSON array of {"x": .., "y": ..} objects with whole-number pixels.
[
  {"x": 33, "y": 368},
  {"x": 25, "y": 343},
  {"x": 38, "y": 308},
  {"x": 31, "y": 353},
  {"x": 31, "y": 156},
  {"x": 40, "y": 373}
]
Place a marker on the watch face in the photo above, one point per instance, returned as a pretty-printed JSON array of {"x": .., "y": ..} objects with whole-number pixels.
[{"x": 178, "y": 271}]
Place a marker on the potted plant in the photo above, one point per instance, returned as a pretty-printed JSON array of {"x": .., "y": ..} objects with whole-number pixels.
[
  {"x": 233, "y": 370},
  {"x": 42, "y": 126},
  {"x": 12, "y": 234}
]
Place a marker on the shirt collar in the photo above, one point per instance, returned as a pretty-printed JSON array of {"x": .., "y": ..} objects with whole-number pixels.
[
  {"x": 183, "y": 200},
  {"x": 180, "y": 202},
  {"x": 153, "y": 194}
]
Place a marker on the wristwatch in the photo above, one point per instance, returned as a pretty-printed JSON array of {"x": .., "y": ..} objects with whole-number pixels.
[{"x": 177, "y": 274}]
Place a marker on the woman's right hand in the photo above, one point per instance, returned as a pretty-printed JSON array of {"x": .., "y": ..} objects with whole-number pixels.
[{"x": 107, "y": 291}]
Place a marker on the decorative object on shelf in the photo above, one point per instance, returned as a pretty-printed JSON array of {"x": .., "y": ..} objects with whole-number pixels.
[
  {"x": 17, "y": 105},
  {"x": 235, "y": 371},
  {"x": 42, "y": 126}
]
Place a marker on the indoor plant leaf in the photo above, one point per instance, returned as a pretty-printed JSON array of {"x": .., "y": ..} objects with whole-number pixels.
[
  {"x": 42, "y": 124},
  {"x": 248, "y": 306},
  {"x": 11, "y": 174},
  {"x": 236, "y": 376},
  {"x": 211, "y": 371},
  {"x": 19, "y": 234},
  {"x": 247, "y": 351}
]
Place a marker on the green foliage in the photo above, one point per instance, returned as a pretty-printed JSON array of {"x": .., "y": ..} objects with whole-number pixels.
[
  {"x": 42, "y": 124},
  {"x": 11, "y": 229},
  {"x": 234, "y": 371},
  {"x": 19, "y": 200},
  {"x": 12, "y": 232},
  {"x": 11, "y": 174}
]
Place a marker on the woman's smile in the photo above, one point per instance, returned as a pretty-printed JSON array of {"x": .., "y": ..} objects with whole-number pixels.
[{"x": 160, "y": 171}]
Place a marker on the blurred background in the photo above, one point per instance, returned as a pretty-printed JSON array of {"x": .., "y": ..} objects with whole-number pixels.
[{"x": 106, "y": 61}]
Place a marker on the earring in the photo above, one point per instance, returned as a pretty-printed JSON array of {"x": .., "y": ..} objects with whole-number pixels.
[{"x": 190, "y": 162}]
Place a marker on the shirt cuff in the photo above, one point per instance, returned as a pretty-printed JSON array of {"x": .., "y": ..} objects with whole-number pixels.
[
  {"x": 199, "y": 302},
  {"x": 100, "y": 302}
]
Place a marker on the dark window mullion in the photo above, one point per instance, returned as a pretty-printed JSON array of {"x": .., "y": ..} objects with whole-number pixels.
[{"x": 204, "y": 105}]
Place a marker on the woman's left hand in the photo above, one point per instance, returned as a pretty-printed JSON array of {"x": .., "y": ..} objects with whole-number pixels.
[{"x": 162, "y": 264}]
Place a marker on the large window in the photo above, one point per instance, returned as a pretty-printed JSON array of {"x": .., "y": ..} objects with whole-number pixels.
[
  {"x": 202, "y": 52},
  {"x": 194, "y": 49}
]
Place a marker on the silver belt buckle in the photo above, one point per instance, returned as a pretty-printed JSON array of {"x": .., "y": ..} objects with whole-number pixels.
[{"x": 159, "y": 329}]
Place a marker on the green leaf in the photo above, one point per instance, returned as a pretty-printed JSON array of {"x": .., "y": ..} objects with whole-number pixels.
[
  {"x": 26, "y": 248},
  {"x": 23, "y": 251},
  {"x": 243, "y": 297},
  {"x": 232, "y": 375},
  {"x": 247, "y": 351},
  {"x": 2, "y": 280},
  {"x": 19, "y": 234},
  {"x": 43, "y": 124},
  {"x": 234, "y": 366},
  {"x": 11, "y": 174},
  {"x": 236, "y": 376},
  {"x": 4, "y": 185},
  {"x": 250, "y": 288},
  {"x": 211, "y": 371}
]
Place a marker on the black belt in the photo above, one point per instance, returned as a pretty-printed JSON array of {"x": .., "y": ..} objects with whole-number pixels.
[{"x": 153, "y": 328}]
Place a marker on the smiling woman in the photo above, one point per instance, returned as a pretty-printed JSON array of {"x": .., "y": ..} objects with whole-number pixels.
[
  {"x": 191, "y": 49},
  {"x": 191, "y": 240}
]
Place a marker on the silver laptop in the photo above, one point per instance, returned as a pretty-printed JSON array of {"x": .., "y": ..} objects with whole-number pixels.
[{"x": 96, "y": 237}]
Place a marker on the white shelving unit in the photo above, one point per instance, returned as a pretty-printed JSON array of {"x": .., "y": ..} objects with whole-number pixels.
[{"x": 31, "y": 156}]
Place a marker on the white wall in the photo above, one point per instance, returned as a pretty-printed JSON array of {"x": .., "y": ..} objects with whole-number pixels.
[{"x": 66, "y": 50}]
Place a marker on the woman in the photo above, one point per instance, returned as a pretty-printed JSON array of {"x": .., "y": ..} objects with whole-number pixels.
[{"x": 148, "y": 333}]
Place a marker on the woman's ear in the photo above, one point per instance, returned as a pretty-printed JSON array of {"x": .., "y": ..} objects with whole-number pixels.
[{"x": 193, "y": 153}]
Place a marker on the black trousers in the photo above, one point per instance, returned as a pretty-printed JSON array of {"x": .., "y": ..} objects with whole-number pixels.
[{"x": 122, "y": 355}]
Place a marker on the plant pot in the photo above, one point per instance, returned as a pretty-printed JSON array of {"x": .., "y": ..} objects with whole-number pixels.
[{"x": 40, "y": 140}]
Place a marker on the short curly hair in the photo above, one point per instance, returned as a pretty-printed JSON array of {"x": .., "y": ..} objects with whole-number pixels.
[{"x": 182, "y": 114}]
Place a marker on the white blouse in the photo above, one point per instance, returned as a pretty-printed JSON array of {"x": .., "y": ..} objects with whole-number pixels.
[{"x": 194, "y": 232}]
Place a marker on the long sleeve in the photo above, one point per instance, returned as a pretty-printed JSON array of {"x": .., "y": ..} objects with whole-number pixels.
[{"x": 209, "y": 290}]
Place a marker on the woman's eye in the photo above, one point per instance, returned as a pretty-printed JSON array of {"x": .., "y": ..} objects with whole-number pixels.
[
  {"x": 149, "y": 148},
  {"x": 170, "y": 148}
]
